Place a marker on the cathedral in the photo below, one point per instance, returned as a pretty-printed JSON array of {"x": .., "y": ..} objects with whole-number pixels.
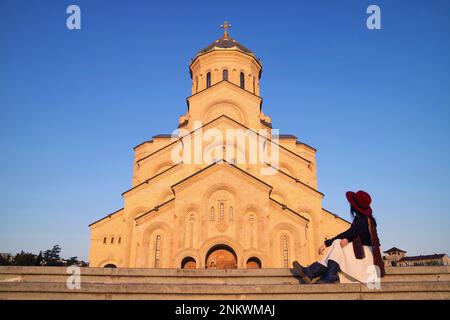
[{"x": 218, "y": 206}]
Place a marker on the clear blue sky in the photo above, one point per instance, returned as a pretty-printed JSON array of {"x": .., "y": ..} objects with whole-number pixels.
[{"x": 73, "y": 104}]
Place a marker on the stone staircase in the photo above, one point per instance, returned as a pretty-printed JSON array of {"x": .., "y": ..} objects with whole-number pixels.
[{"x": 133, "y": 283}]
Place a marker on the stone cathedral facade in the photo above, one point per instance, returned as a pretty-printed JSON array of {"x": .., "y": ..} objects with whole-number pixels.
[{"x": 221, "y": 213}]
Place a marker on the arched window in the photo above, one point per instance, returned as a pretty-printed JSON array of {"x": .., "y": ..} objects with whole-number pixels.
[
  {"x": 188, "y": 263},
  {"x": 253, "y": 263},
  {"x": 284, "y": 248},
  {"x": 254, "y": 86},
  {"x": 230, "y": 213},
  {"x": 222, "y": 211},
  {"x": 208, "y": 80},
  {"x": 119, "y": 241},
  {"x": 225, "y": 74},
  {"x": 110, "y": 265},
  {"x": 104, "y": 240},
  {"x": 196, "y": 84},
  {"x": 112, "y": 240},
  {"x": 242, "y": 80},
  {"x": 211, "y": 217},
  {"x": 157, "y": 251}
]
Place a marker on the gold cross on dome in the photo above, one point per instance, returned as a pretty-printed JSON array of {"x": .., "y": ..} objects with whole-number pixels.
[{"x": 225, "y": 26}]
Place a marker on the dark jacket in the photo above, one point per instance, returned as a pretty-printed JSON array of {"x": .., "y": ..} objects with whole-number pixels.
[{"x": 359, "y": 227}]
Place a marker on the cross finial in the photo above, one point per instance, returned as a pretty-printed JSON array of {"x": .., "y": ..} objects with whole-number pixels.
[{"x": 225, "y": 26}]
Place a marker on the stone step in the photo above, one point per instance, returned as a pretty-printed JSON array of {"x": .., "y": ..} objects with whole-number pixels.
[
  {"x": 133, "y": 283},
  {"x": 201, "y": 276},
  {"x": 393, "y": 290}
]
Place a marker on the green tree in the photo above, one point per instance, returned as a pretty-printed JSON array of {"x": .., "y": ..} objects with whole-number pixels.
[
  {"x": 51, "y": 257},
  {"x": 5, "y": 259},
  {"x": 72, "y": 261},
  {"x": 25, "y": 259},
  {"x": 84, "y": 264},
  {"x": 39, "y": 259}
]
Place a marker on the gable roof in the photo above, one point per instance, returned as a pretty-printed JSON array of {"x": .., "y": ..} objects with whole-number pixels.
[
  {"x": 335, "y": 215},
  {"x": 394, "y": 249},
  {"x": 107, "y": 216},
  {"x": 222, "y": 161},
  {"x": 225, "y": 82},
  {"x": 285, "y": 207},
  {"x": 152, "y": 177},
  {"x": 155, "y": 208},
  {"x": 294, "y": 178}
]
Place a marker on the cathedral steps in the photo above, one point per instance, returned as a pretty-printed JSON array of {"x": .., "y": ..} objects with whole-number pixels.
[
  {"x": 399, "y": 290},
  {"x": 98, "y": 283},
  {"x": 201, "y": 276}
]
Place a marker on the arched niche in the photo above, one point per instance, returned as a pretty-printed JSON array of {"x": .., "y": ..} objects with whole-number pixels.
[
  {"x": 287, "y": 238},
  {"x": 219, "y": 199},
  {"x": 146, "y": 252},
  {"x": 224, "y": 108}
]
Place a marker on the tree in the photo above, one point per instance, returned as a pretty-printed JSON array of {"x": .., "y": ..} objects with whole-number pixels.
[
  {"x": 51, "y": 257},
  {"x": 39, "y": 259},
  {"x": 25, "y": 259},
  {"x": 5, "y": 259},
  {"x": 72, "y": 261},
  {"x": 84, "y": 264}
]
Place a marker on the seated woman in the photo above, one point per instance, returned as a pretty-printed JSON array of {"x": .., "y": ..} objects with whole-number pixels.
[{"x": 359, "y": 262}]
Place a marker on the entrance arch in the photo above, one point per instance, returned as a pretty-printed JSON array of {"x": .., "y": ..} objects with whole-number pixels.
[{"x": 221, "y": 256}]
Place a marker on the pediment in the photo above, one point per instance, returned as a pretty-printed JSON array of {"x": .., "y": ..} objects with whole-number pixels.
[{"x": 221, "y": 172}]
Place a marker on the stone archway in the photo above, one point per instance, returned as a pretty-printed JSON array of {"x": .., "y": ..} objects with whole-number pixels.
[{"x": 221, "y": 256}]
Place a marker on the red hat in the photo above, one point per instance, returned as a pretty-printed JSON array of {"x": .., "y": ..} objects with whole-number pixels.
[{"x": 360, "y": 201}]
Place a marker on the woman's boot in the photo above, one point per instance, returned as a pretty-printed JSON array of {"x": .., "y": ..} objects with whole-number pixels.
[
  {"x": 331, "y": 276},
  {"x": 310, "y": 273}
]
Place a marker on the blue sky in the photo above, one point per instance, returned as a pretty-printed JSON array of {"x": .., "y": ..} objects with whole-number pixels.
[{"x": 73, "y": 104}]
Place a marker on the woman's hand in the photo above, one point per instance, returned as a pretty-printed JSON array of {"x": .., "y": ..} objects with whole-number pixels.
[
  {"x": 343, "y": 243},
  {"x": 322, "y": 248}
]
